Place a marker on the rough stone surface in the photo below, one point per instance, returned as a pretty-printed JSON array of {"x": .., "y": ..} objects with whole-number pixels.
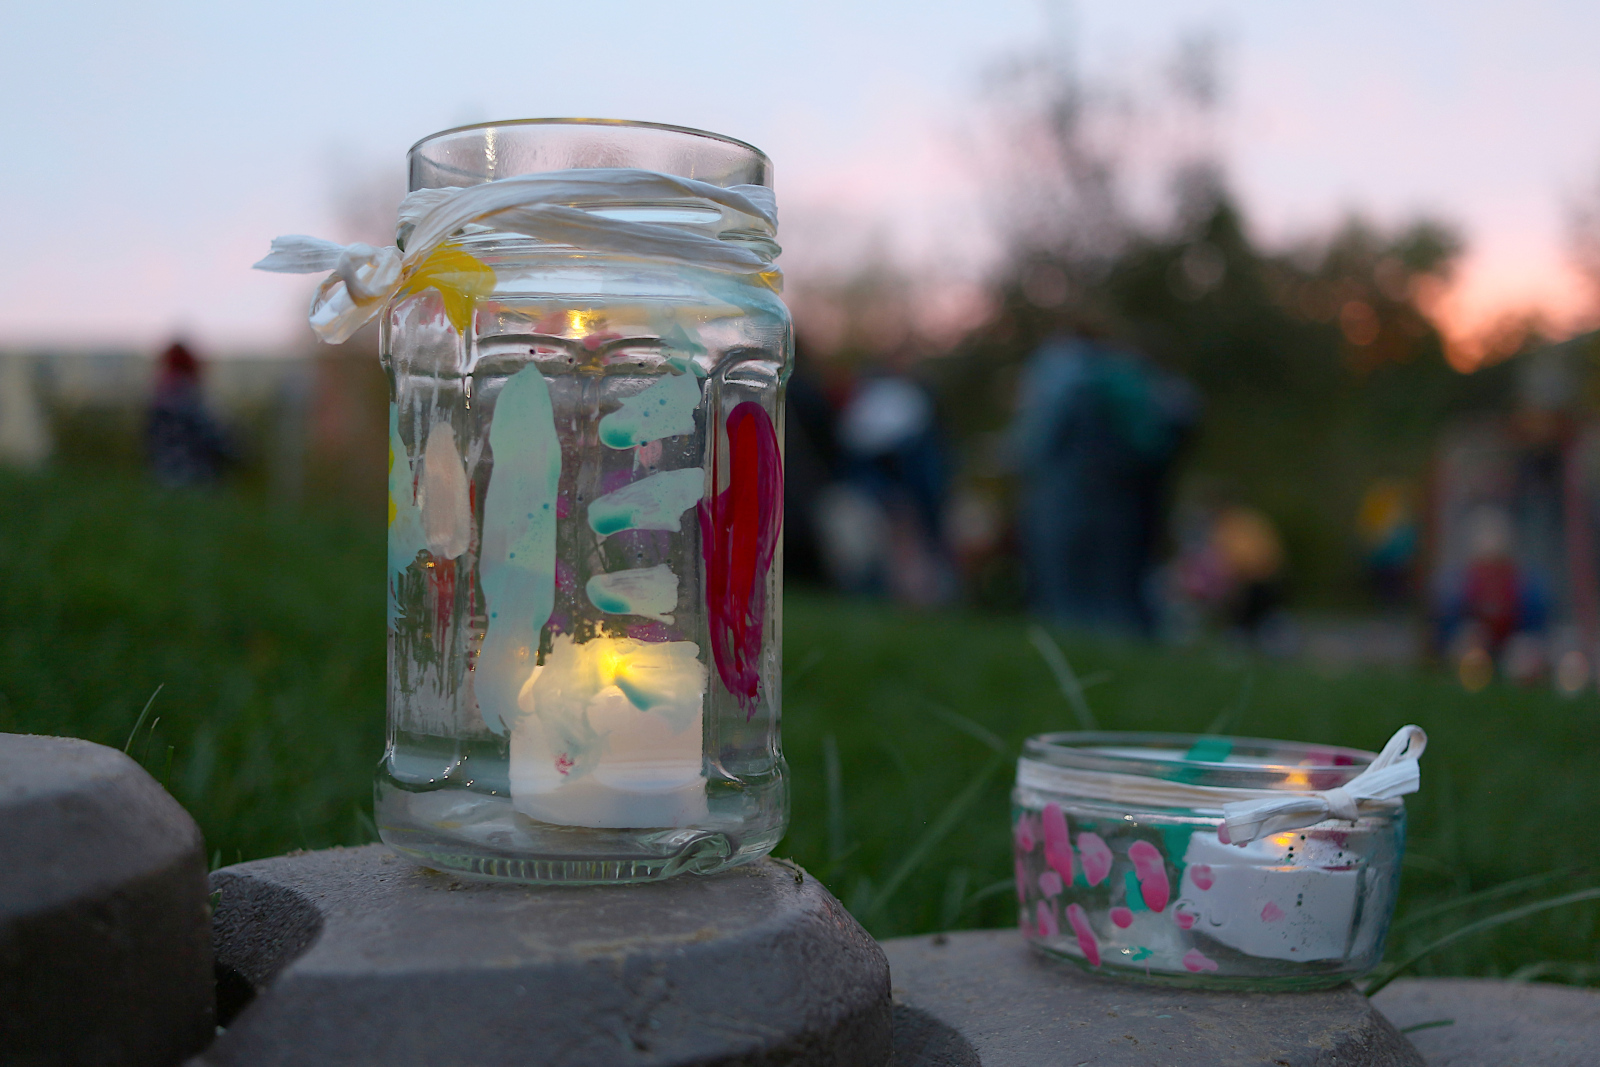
[
  {"x": 1012, "y": 1008},
  {"x": 358, "y": 957},
  {"x": 1495, "y": 1023},
  {"x": 105, "y": 950}
]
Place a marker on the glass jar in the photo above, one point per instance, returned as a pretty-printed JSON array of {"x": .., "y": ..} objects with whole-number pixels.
[
  {"x": 585, "y": 501},
  {"x": 1120, "y": 867}
]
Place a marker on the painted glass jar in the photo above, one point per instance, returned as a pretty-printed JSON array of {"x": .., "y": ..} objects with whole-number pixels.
[
  {"x": 1123, "y": 864},
  {"x": 585, "y": 494}
]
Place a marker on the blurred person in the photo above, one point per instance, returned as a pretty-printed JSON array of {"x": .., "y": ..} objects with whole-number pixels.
[
  {"x": 1095, "y": 437},
  {"x": 1247, "y": 546},
  {"x": 184, "y": 443},
  {"x": 1494, "y": 609},
  {"x": 1387, "y": 526},
  {"x": 892, "y": 458},
  {"x": 24, "y": 429},
  {"x": 810, "y": 467}
]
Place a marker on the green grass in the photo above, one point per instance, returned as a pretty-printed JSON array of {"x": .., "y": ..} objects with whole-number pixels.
[{"x": 264, "y": 629}]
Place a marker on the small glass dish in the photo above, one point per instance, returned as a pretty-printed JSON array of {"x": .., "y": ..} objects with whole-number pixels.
[{"x": 1120, "y": 868}]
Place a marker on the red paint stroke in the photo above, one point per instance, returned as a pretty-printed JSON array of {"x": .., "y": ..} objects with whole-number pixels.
[
  {"x": 564, "y": 763},
  {"x": 442, "y": 576},
  {"x": 739, "y": 536}
]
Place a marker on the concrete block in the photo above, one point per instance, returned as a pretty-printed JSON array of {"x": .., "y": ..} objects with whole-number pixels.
[
  {"x": 1013, "y": 1008},
  {"x": 105, "y": 947},
  {"x": 357, "y": 957},
  {"x": 1495, "y": 1023}
]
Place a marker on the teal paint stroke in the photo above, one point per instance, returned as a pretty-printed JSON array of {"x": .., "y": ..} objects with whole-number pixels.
[
  {"x": 664, "y": 409},
  {"x": 1134, "y": 897},
  {"x": 1175, "y": 840},
  {"x": 654, "y": 503},
  {"x": 406, "y": 538},
  {"x": 518, "y": 560},
  {"x": 648, "y": 591},
  {"x": 677, "y": 339}
]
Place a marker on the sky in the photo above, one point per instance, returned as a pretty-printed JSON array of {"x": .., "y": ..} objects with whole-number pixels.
[{"x": 152, "y": 151}]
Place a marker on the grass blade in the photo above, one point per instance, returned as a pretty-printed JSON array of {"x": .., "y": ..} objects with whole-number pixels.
[
  {"x": 1494, "y": 892},
  {"x": 1066, "y": 677},
  {"x": 932, "y": 836},
  {"x": 1414, "y": 1027},
  {"x": 1489, "y": 923},
  {"x": 140, "y": 721},
  {"x": 972, "y": 729},
  {"x": 993, "y": 889},
  {"x": 1228, "y": 718},
  {"x": 955, "y": 893}
]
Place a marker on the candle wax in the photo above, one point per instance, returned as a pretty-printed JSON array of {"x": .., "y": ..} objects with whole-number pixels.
[
  {"x": 1263, "y": 903},
  {"x": 611, "y": 735}
]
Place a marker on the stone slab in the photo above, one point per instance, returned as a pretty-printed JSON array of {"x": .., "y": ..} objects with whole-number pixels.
[
  {"x": 1495, "y": 1023},
  {"x": 105, "y": 946},
  {"x": 356, "y": 957},
  {"x": 1014, "y": 1008}
]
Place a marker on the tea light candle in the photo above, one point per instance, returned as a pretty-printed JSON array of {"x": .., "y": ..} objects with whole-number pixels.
[{"x": 611, "y": 735}]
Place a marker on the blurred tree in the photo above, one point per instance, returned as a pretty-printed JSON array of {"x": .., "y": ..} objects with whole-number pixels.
[{"x": 1320, "y": 368}]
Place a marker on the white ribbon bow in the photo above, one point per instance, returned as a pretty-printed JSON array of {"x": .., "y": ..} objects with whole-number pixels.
[
  {"x": 1393, "y": 774},
  {"x": 543, "y": 206}
]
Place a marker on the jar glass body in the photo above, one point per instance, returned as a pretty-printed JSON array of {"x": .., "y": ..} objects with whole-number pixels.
[
  {"x": 1150, "y": 892},
  {"x": 579, "y": 691}
]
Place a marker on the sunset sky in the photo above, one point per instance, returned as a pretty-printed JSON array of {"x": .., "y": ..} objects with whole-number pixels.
[{"x": 153, "y": 150}]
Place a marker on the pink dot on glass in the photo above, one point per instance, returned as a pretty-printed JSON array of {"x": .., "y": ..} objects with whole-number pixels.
[
  {"x": 1195, "y": 962},
  {"x": 1271, "y": 913},
  {"x": 1121, "y": 917},
  {"x": 1184, "y": 918},
  {"x": 1200, "y": 875},
  {"x": 1096, "y": 857},
  {"x": 1050, "y": 883},
  {"x": 1151, "y": 870}
]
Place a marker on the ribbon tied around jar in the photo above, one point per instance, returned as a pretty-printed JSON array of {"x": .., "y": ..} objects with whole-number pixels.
[
  {"x": 1393, "y": 774},
  {"x": 729, "y": 230}
]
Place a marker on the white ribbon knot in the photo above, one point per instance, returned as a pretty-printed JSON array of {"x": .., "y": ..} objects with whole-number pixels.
[
  {"x": 1393, "y": 774},
  {"x": 567, "y": 207}
]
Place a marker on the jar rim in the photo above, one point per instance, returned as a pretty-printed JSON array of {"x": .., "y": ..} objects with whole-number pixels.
[
  {"x": 759, "y": 163},
  {"x": 1201, "y": 759}
]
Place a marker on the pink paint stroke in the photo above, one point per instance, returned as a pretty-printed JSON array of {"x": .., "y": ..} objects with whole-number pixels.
[
  {"x": 1050, "y": 884},
  {"x": 1027, "y": 833},
  {"x": 1057, "y": 845},
  {"x": 1151, "y": 871},
  {"x": 1086, "y": 942},
  {"x": 1096, "y": 856},
  {"x": 1045, "y": 916},
  {"x": 1200, "y": 874},
  {"x": 1196, "y": 961},
  {"x": 1271, "y": 913},
  {"x": 739, "y": 530},
  {"x": 1121, "y": 917},
  {"x": 1183, "y": 917}
]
